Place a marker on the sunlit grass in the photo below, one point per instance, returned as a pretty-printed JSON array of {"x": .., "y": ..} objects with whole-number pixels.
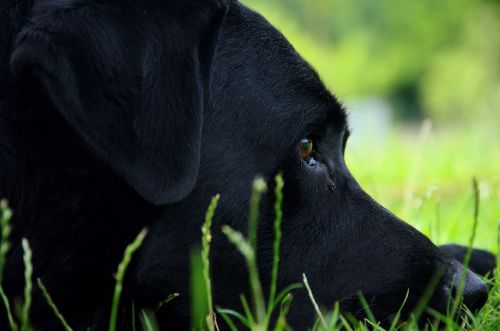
[{"x": 426, "y": 181}]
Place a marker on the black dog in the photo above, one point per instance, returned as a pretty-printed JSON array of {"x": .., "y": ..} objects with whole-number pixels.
[{"x": 120, "y": 114}]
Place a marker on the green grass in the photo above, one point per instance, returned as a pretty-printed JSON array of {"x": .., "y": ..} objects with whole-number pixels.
[
  {"x": 424, "y": 176},
  {"x": 258, "y": 318}
]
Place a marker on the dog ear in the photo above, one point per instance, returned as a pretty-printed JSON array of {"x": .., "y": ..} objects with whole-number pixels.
[{"x": 131, "y": 77}]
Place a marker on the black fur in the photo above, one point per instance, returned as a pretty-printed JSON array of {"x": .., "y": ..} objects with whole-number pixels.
[{"x": 120, "y": 114}]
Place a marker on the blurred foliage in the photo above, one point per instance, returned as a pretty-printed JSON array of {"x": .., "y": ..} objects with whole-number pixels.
[
  {"x": 423, "y": 175},
  {"x": 428, "y": 58}
]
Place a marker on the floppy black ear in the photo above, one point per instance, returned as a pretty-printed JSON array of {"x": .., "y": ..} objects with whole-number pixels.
[{"x": 131, "y": 77}]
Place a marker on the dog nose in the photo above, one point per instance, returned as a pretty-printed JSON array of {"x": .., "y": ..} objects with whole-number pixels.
[{"x": 475, "y": 293}]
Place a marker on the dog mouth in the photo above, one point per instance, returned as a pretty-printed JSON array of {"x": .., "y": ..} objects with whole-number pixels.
[
  {"x": 454, "y": 292},
  {"x": 463, "y": 286}
]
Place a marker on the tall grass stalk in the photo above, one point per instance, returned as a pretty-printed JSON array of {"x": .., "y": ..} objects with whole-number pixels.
[
  {"x": 259, "y": 187},
  {"x": 148, "y": 321},
  {"x": 246, "y": 249},
  {"x": 397, "y": 317},
  {"x": 460, "y": 291},
  {"x": 53, "y": 306},
  {"x": 314, "y": 303},
  {"x": 28, "y": 285},
  {"x": 5, "y": 217},
  {"x": 198, "y": 291},
  {"x": 205, "y": 256},
  {"x": 278, "y": 218},
  {"x": 5, "y": 229},
  {"x": 225, "y": 316},
  {"x": 120, "y": 275},
  {"x": 427, "y": 294},
  {"x": 366, "y": 308},
  {"x": 169, "y": 298},
  {"x": 8, "y": 311},
  {"x": 284, "y": 308},
  {"x": 260, "y": 317},
  {"x": 334, "y": 317},
  {"x": 247, "y": 320}
]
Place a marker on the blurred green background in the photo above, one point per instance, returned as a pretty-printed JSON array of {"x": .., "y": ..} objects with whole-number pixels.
[{"x": 421, "y": 81}]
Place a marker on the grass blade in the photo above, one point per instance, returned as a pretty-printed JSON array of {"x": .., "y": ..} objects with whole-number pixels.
[
  {"x": 427, "y": 294},
  {"x": 284, "y": 308},
  {"x": 313, "y": 301},
  {"x": 53, "y": 306},
  {"x": 12, "y": 324},
  {"x": 229, "y": 312},
  {"x": 169, "y": 298},
  {"x": 205, "y": 257},
  {"x": 334, "y": 317},
  {"x": 228, "y": 320},
  {"x": 245, "y": 248},
  {"x": 148, "y": 322},
  {"x": 285, "y": 292},
  {"x": 28, "y": 286},
  {"x": 278, "y": 217},
  {"x": 460, "y": 291},
  {"x": 366, "y": 308},
  {"x": 5, "y": 229},
  {"x": 397, "y": 317},
  {"x": 120, "y": 275},
  {"x": 345, "y": 323},
  {"x": 247, "y": 310},
  {"x": 199, "y": 308},
  {"x": 258, "y": 188}
]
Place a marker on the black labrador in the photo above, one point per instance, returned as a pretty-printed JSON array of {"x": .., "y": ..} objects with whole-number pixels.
[{"x": 120, "y": 114}]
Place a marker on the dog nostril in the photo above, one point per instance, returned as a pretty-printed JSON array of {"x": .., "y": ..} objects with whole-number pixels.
[{"x": 475, "y": 291}]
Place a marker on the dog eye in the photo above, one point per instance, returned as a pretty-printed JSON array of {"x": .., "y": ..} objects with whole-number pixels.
[{"x": 306, "y": 149}]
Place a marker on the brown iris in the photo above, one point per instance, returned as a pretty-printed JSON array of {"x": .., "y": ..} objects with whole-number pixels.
[{"x": 306, "y": 148}]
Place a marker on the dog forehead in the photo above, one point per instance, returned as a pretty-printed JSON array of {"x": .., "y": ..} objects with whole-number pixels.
[{"x": 259, "y": 73}]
